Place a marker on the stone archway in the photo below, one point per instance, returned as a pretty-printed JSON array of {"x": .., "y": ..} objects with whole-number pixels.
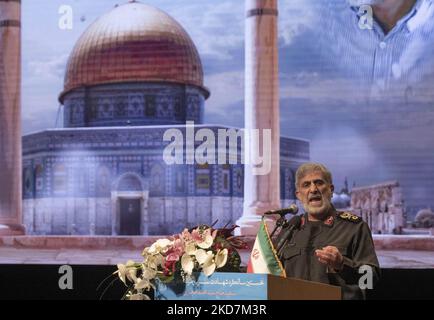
[{"x": 130, "y": 195}]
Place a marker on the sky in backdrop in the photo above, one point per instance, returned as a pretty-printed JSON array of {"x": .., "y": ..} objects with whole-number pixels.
[{"x": 368, "y": 140}]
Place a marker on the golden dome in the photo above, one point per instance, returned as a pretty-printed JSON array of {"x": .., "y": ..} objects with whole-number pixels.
[{"x": 133, "y": 42}]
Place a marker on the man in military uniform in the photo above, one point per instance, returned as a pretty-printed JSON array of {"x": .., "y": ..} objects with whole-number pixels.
[{"x": 329, "y": 246}]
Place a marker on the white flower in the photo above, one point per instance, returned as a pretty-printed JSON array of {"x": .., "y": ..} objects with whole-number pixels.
[
  {"x": 221, "y": 258},
  {"x": 209, "y": 269},
  {"x": 142, "y": 284},
  {"x": 124, "y": 270},
  {"x": 139, "y": 296},
  {"x": 190, "y": 248},
  {"x": 201, "y": 256},
  {"x": 145, "y": 252},
  {"x": 209, "y": 265},
  {"x": 206, "y": 261},
  {"x": 132, "y": 274},
  {"x": 187, "y": 264},
  {"x": 209, "y": 262},
  {"x": 207, "y": 241},
  {"x": 153, "y": 260},
  {"x": 197, "y": 253},
  {"x": 148, "y": 273},
  {"x": 160, "y": 245}
]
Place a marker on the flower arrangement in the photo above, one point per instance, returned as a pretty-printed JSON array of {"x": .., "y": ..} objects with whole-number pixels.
[{"x": 201, "y": 249}]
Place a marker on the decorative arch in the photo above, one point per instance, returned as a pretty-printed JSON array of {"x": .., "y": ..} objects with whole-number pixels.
[
  {"x": 129, "y": 181},
  {"x": 130, "y": 194},
  {"x": 157, "y": 179},
  {"x": 39, "y": 179},
  {"x": 60, "y": 179},
  {"x": 28, "y": 181},
  {"x": 103, "y": 180}
]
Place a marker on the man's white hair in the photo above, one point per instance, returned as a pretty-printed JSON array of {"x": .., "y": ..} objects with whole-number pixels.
[{"x": 309, "y": 167}]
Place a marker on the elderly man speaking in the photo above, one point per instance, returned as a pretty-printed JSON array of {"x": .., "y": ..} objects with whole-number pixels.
[{"x": 329, "y": 246}]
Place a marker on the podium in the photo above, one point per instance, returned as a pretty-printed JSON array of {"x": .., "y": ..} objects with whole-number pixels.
[{"x": 247, "y": 286}]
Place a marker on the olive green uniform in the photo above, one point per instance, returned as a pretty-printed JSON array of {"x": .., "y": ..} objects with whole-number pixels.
[{"x": 343, "y": 230}]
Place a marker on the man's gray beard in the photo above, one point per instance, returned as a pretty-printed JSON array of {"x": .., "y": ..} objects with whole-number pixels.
[
  {"x": 326, "y": 206},
  {"x": 358, "y": 3}
]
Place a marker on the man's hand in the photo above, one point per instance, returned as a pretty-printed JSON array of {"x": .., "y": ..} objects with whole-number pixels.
[{"x": 331, "y": 257}]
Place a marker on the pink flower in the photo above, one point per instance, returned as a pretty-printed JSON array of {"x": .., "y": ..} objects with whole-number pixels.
[
  {"x": 203, "y": 237},
  {"x": 218, "y": 246},
  {"x": 176, "y": 251},
  {"x": 203, "y": 249},
  {"x": 178, "y": 244},
  {"x": 169, "y": 267},
  {"x": 174, "y": 256},
  {"x": 176, "y": 236},
  {"x": 185, "y": 235},
  {"x": 195, "y": 234}
]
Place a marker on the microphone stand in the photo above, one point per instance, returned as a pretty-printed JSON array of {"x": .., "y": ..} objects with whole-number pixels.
[
  {"x": 283, "y": 243},
  {"x": 281, "y": 222}
]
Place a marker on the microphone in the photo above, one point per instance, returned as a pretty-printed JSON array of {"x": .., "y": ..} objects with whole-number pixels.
[
  {"x": 286, "y": 233},
  {"x": 291, "y": 209}
]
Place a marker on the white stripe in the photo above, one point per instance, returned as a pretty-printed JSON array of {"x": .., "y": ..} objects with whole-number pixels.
[{"x": 257, "y": 259}]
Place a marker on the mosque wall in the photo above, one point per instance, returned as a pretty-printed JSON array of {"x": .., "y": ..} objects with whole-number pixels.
[
  {"x": 79, "y": 193},
  {"x": 133, "y": 104},
  {"x": 92, "y": 216}
]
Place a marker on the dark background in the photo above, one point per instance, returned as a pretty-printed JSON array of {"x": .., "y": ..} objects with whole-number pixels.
[{"x": 41, "y": 282}]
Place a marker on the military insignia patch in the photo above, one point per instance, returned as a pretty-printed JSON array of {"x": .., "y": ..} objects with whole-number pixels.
[
  {"x": 329, "y": 221},
  {"x": 350, "y": 217}
]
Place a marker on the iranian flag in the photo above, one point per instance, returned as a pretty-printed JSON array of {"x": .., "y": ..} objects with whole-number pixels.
[{"x": 263, "y": 258}]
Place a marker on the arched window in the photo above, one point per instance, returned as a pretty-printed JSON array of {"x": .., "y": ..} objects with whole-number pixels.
[
  {"x": 226, "y": 174},
  {"x": 158, "y": 177},
  {"x": 39, "y": 179},
  {"x": 82, "y": 181},
  {"x": 129, "y": 182},
  {"x": 103, "y": 181},
  {"x": 180, "y": 179},
  {"x": 60, "y": 179},
  {"x": 238, "y": 180},
  {"x": 28, "y": 182},
  {"x": 150, "y": 106},
  {"x": 203, "y": 179}
]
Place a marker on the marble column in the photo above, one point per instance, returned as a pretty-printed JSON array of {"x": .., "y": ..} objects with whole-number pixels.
[
  {"x": 261, "y": 192},
  {"x": 10, "y": 118}
]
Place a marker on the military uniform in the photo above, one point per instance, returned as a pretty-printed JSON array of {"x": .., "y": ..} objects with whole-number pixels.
[{"x": 343, "y": 230}]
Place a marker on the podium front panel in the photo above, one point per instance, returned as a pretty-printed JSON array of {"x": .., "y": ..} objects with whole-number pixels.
[{"x": 219, "y": 286}]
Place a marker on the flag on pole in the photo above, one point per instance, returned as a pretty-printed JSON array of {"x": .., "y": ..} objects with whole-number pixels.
[{"x": 263, "y": 258}]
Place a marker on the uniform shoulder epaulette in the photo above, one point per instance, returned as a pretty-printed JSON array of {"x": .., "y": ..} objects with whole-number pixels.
[{"x": 349, "y": 217}]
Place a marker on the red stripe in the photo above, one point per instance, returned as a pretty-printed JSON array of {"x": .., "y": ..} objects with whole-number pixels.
[{"x": 250, "y": 267}]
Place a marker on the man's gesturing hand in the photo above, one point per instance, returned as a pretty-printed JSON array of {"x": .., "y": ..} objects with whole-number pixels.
[{"x": 331, "y": 257}]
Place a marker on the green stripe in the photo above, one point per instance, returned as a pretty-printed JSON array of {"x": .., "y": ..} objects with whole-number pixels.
[{"x": 267, "y": 251}]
